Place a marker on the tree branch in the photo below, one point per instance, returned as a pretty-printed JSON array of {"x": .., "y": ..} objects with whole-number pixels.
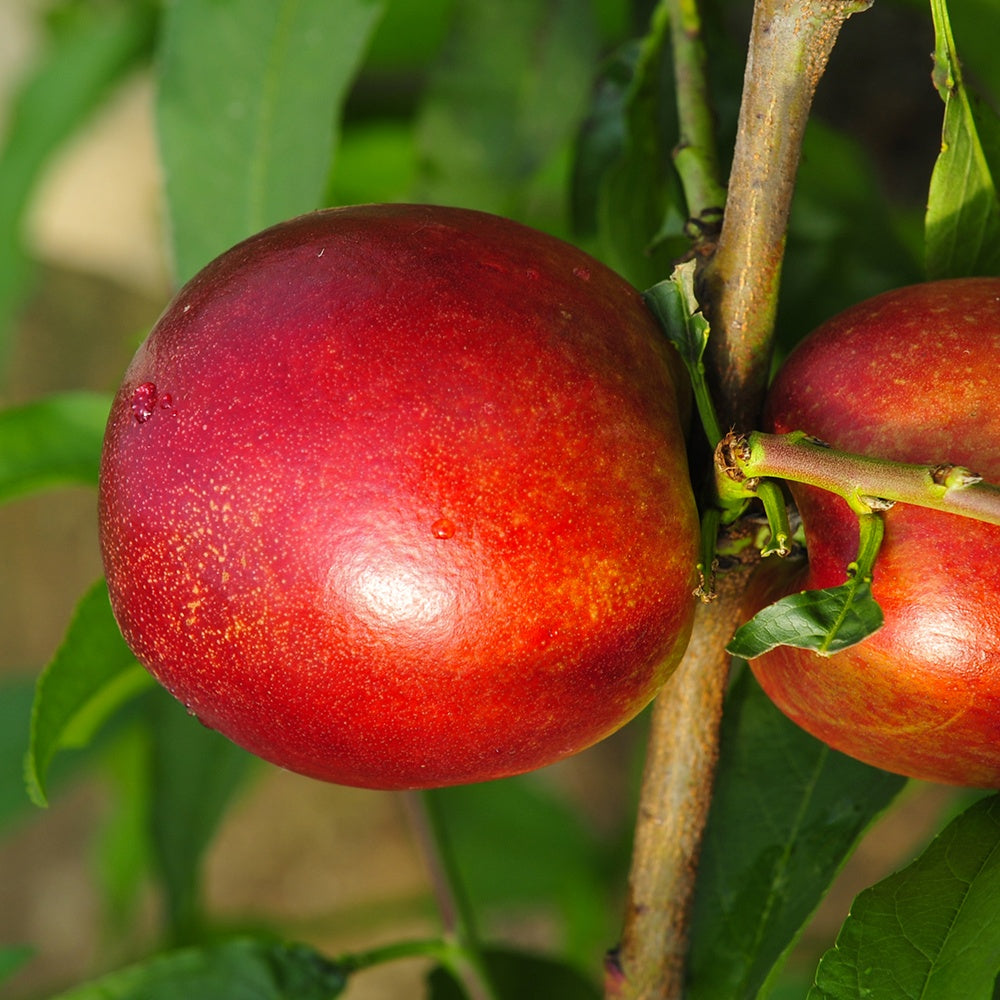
[
  {"x": 790, "y": 43},
  {"x": 789, "y": 46}
]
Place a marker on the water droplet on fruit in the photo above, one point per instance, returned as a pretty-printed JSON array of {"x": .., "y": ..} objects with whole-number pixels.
[
  {"x": 144, "y": 401},
  {"x": 166, "y": 401},
  {"x": 583, "y": 273},
  {"x": 443, "y": 527}
]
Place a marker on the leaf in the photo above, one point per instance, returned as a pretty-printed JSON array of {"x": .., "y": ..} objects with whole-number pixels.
[
  {"x": 54, "y": 441},
  {"x": 786, "y": 813},
  {"x": 825, "y": 621},
  {"x": 675, "y": 305},
  {"x": 962, "y": 225},
  {"x": 931, "y": 930},
  {"x": 640, "y": 207},
  {"x": 91, "y": 674},
  {"x": 249, "y": 98},
  {"x": 504, "y": 99},
  {"x": 518, "y": 975},
  {"x": 571, "y": 872},
  {"x": 194, "y": 774},
  {"x": 243, "y": 969},
  {"x": 12, "y": 957},
  {"x": 75, "y": 72}
]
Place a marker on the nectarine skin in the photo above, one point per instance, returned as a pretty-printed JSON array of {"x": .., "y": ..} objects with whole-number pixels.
[
  {"x": 910, "y": 375},
  {"x": 396, "y": 496}
]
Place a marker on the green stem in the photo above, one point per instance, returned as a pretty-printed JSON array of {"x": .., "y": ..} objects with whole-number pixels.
[
  {"x": 462, "y": 950},
  {"x": 866, "y": 483},
  {"x": 777, "y": 519},
  {"x": 695, "y": 156}
]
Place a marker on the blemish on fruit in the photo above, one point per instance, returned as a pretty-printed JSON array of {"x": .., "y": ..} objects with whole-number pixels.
[
  {"x": 443, "y": 527},
  {"x": 144, "y": 401},
  {"x": 583, "y": 273}
]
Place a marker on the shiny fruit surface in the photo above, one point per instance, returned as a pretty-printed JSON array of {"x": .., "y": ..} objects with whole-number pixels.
[
  {"x": 396, "y": 496},
  {"x": 910, "y": 375}
]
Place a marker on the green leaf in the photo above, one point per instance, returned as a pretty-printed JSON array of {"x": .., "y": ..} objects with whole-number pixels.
[
  {"x": 123, "y": 849},
  {"x": 931, "y": 930},
  {"x": 640, "y": 206},
  {"x": 503, "y": 101},
  {"x": 12, "y": 957},
  {"x": 675, "y": 305},
  {"x": 76, "y": 71},
  {"x": 247, "y": 113},
  {"x": 517, "y": 975},
  {"x": 194, "y": 774},
  {"x": 572, "y": 873},
  {"x": 962, "y": 226},
  {"x": 244, "y": 969},
  {"x": 825, "y": 621},
  {"x": 786, "y": 813},
  {"x": 53, "y": 441},
  {"x": 91, "y": 674}
]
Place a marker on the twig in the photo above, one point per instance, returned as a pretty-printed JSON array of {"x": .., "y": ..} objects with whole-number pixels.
[
  {"x": 790, "y": 43},
  {"x": 866, "y": 483}
]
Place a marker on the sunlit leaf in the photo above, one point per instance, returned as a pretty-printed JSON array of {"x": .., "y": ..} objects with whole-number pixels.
[
  {"x": 963, "y": 208},
  {"x": 91, "y": 674},
  {"x": 929, "y": 931}
]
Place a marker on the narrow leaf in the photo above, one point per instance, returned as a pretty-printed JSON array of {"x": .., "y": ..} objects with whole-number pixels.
[
  {"x": 825, "y": 621},
  {"x": 54, "y": 441},
  {"x": 74, "y": 74},
  {"x": 247, "y": 112},
  {"x": 195, "y": 772},
  {"x": 244, "y": 969},
  {"x": 786, "y": 813},
  {"x": 962, "y": 226},
  {"x": 91, "y": 673},
  {"x": 931, "y": 930}
]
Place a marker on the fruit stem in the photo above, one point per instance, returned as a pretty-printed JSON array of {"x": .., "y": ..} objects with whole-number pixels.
[
  {"x": 790, "y": 43},
  {"x": 867, "y": 484},
  {"x": 461, "y": 937}
]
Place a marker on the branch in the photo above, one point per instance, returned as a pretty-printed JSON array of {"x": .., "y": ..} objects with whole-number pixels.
[
  {"x": 789, "y": 46},
  {"x": 790, "y": 43},
  {"x": 865, "y": 483},
  {"x": 673, "y": 808}
]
